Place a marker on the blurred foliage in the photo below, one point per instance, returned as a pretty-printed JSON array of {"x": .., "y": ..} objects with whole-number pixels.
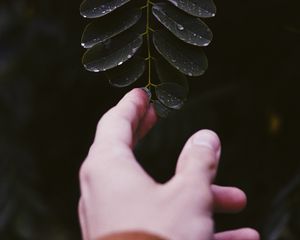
[{"x": 49, "y": 108}]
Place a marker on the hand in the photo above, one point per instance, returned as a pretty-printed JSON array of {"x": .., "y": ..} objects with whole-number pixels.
[{"x": 117, "y": 195}]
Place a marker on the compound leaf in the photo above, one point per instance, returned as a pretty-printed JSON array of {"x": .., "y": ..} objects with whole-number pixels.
[{"x": 131, "y": 37}]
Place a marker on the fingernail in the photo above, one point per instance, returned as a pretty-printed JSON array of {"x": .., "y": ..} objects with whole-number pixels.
[
  {"x": 148, "y": 92},
  {"x": 207, "y": 139}
]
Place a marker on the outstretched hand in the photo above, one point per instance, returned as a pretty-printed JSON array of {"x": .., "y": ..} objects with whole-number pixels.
[{"x": 117, "y": 194}]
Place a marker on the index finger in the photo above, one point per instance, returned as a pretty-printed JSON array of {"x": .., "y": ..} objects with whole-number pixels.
[
  {"x": 119, "y": 125},
  {"x": 111, "y": 153}
]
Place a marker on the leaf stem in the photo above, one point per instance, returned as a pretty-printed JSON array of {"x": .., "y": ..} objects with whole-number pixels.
[{"x": 147, "y": 33}]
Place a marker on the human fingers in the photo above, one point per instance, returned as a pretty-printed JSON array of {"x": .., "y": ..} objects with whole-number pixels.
[
  {"x": 228, "y": 199},
  {"x": 147, "y": 123},
  {"x": 195, "y": 171},
  {"x": 111, "y": 153},
  {"x": 239, "y": 234},
  {"x": 119, "y": 125},
  {"x": 199, "y": 157}
]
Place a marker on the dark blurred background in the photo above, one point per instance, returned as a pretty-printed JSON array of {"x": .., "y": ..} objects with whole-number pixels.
[{"x": 50, "y": 105}]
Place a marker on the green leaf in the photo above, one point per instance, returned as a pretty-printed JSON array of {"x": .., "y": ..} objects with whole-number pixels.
[
  {"x": 189, "y": 60},
  {"x": 171, "y": 95},
  {"x": 112, "y": 53},
  {"x": 197, "y": 8},
  {"x": 160, "y": 109},
  {"x": 127, "y": 73},
  {"x": 109, "y": 26},
  {"x": 99, "y": 8},
  {"x": 168, "y": 74},
  {"x": 186, "y": 27}
]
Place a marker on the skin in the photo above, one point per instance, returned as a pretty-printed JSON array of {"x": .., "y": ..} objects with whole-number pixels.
[{"x": 117, "y": 194}]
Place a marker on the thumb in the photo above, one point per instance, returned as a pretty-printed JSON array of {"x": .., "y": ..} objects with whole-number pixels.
[{"x": 199, "y": 158}]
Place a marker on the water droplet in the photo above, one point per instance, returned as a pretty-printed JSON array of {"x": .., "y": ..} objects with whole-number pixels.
[{"x": 180, "y": 27}]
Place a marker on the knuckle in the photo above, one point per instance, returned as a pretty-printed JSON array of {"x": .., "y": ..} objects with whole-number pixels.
[
  {"x": 206, "y": 157},
  {"x": 95, "y": 151},
  {"x": 200, "y": 161},
  {"x": 137, "y": 107},
  {"x": 86, "y": 172},
  {"x": 105, "y": 117}
]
